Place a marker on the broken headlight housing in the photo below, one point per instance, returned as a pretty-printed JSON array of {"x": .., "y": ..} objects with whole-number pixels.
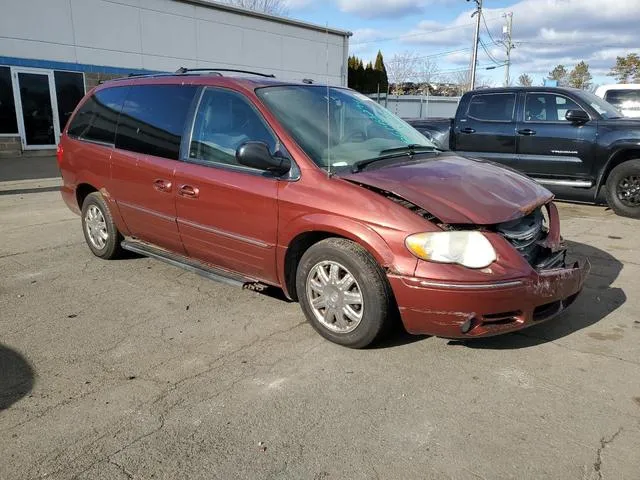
[{"x": 468, "y": 248}]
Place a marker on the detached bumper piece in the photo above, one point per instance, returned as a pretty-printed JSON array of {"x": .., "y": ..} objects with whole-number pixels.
[{"x": 468, "y": 310}]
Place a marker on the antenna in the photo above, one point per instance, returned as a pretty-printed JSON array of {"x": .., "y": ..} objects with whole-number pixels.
[{"x": 328, "y": 108}]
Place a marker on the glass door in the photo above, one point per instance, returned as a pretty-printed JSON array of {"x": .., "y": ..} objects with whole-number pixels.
[{"x": 36, "y": 103}]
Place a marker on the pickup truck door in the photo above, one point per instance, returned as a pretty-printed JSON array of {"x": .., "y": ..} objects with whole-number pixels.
[
  {"x": 485, "y": 128},
  {"x": 551, "y": 148}
]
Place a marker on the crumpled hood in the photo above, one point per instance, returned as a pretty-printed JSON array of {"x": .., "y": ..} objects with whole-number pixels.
[{"x": 459, "y": 190}]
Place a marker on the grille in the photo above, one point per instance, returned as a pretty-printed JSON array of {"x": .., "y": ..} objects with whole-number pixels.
[{"x": 525, "y": 234}]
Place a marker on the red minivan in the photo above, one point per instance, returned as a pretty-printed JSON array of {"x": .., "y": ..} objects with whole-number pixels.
[{"x": 319, "y": 191}]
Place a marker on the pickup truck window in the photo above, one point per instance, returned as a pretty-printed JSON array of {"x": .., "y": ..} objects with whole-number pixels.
[
  {"x": 605, "y": 109},
  {"x": 548, "y": 107},
  {"x": 624, "y": 99},
  {"x": 492, "y": 107}
]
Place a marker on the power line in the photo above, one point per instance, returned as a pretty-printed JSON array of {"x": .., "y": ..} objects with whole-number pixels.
[
  {"x": 486, "y": 50},
  {"x": 484, "y": 19}
]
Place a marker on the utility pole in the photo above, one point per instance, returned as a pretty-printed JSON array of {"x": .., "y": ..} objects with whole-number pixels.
[
  {"x": 476, "y": 39},
  {"x": 507, "y": 32}
]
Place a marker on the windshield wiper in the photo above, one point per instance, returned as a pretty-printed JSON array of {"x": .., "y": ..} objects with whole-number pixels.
[{"x": 406, "y": 150}]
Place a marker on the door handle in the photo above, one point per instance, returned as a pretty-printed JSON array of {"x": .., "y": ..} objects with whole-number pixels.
[
  {"x": 189, "y": 191},
  {"x": 468, "y": 130},
  {"x": 527, "y": 131},
  {"x": 162, "y": 185}
]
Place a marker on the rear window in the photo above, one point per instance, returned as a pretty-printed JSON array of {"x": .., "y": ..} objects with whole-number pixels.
[
  {"x": 153, "y": 119},
  {"x": 492, "y": 107},
  {"x": 98, "y": 117},
  {"x": 624, "y": 99}
]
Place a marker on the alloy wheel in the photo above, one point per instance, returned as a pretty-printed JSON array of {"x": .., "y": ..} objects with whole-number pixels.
[{"x": 96, "y": 227}]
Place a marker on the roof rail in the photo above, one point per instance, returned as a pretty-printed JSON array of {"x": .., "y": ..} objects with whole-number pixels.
[
  {"x": 182, "y": 70},
  {"x": 139, "y": 75}
]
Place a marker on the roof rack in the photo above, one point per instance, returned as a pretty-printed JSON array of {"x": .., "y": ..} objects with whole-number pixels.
[
  {"x": 217, "y": 71},
  {"x": 139, "y": 75}
]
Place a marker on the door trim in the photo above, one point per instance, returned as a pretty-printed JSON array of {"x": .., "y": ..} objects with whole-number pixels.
[
  {"x": 223, "y": 233},
  {"x": 565, "y": 183},
  {"x": 19, "y": 112}
]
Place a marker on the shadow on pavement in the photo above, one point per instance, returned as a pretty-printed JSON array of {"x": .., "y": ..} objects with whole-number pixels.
[
  {"x": 597, "y": 300},
  {"x": 13, "y": 169},
  {"x": 16, "y": 377}
]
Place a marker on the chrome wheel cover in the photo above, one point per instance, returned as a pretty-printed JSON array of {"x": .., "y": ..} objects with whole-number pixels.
[
  {"x": 96, "y": 227},
  {"x": 335, "y": 297}
]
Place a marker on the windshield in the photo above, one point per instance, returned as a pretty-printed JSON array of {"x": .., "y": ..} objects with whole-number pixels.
[
  {"x": 339, "y": 129},
  {"x": 605, "y": 109}
]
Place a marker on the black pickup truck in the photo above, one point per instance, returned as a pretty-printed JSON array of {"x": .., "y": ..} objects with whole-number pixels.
[{"x": 574, "y": 143}]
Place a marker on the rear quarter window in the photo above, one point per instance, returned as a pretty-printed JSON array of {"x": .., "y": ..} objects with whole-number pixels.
[
  {"x": 492, "y": 107},
  {"x": 97, "y": 118},
  {"x": 153, "y": 119}
]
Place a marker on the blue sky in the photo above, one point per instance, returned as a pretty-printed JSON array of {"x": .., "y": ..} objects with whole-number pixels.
[{"x": 546, "y": 32}]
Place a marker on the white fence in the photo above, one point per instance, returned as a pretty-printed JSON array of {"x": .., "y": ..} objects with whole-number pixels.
[{"x": 419, "y": 106}]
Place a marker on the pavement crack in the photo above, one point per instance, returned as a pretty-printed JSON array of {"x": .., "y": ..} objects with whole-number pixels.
[
  {"x": 122, "y": 468},
  {"x": 604, "y": 442},
  {"x": 577, "y": 350}
]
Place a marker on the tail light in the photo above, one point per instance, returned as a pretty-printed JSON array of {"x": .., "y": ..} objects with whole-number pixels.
[{"x": 59, "y": 153}]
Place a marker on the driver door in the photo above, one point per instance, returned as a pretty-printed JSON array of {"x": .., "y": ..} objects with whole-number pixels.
[
  {"x": 548, "y": 145},
  {"x": 227, "y": 213}
]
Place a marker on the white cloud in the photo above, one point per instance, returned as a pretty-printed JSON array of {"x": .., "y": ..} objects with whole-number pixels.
[
  {"x": 546, "y": 32},
  {"x": 381, "y": 8}
]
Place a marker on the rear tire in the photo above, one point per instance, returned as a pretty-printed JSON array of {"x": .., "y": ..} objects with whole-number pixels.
[
  {"x": 100, "y": 232},
  {"x": 344, "y": 293},
  {"x": 623, "y": 189}
]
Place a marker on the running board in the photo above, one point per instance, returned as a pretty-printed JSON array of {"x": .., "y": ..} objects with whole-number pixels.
[
  {"x": 565, "y": 183},
  {"x": 215, "y": 274}
]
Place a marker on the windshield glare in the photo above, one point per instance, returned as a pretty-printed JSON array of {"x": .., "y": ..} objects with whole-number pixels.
[
  {"x": 605, "y": 109},
  {"x": 337, "y": 133}
]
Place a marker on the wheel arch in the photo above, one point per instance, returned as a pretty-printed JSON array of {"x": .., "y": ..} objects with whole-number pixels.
[
  {"x": 301, "y": 239},
  {"x": 621, "y": 155}
]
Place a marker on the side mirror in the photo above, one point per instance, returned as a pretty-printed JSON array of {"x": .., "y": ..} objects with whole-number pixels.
[
  {"x": 257, "y": 155},
  {"x": 577, "y": 116}
]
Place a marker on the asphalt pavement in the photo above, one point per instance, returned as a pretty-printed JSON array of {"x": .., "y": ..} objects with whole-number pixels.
[{"x": 137, "y": 369}]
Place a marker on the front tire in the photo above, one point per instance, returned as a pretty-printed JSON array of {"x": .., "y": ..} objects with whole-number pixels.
[
  {"x": 100, "y": 232},
  {"x": 623, "y": 189},
  {"x": 343, "y": 292}
]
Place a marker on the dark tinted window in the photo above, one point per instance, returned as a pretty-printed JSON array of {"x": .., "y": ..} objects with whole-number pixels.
[
  {"x": 624, "y": 99},
  {"x": 69, "y": 92},
  {"x": 225, "y": 121},
  {"x": 98, "y": 117},
  {"x": 548, "y": 107},
  {"x": 8, "y": 122},
  {"x": 153, "y": 118},
  {"x": 492, "y": 107}
]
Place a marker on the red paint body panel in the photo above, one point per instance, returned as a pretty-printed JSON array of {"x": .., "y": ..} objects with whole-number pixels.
[
  {"x": 460, "y": 190},
  {"x": 442, "y": 311},
  {"x": 246, "y": 223},
  {"x": 234, "y": 221}
]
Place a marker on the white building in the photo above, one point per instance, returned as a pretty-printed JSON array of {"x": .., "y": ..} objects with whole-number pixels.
[{"x": 52, "y": 51}]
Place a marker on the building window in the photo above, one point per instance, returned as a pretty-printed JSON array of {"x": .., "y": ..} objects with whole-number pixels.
[
  {"x": 8, "y": 121},
  {"x": 69, "y": 91}
]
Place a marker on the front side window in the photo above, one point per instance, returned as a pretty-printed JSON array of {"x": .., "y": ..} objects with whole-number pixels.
[
  {"x": 153, "y": 119},
  {"x": 97, "y": 118},
  {"x": 548, "y": 107},
  {"x": 224, "y": 121},
  {"x": 337, "y": 127},
  {"x": 492, "y": 107}
]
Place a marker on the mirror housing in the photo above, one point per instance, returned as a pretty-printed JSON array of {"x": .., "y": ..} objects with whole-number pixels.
[
  {"x": 577, "y": 116},
  {"x": 256, "y": 155}
]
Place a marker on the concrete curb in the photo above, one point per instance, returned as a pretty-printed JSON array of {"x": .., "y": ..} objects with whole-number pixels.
[{"x": 32, "y": 184}]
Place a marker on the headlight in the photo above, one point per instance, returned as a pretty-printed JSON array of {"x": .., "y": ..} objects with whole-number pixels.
[{"x": 470, "y": 248}]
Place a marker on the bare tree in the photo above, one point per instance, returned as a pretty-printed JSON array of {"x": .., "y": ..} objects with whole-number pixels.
[
  {"x": 462, "y": 80},
  {"x": 400, "y": 69},
  {"x": 272, "y": 7},
  {"x": 427, "y": 71},
  {"x": 525, "y": 80}
]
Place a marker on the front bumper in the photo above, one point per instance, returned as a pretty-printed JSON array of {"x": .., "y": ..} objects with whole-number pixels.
[{"x": 468, "y": 310}]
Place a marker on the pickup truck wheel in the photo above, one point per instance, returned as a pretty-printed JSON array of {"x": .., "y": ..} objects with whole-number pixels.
[
  {"x": 100, "y": 233},
  {"x": 623, "y": 189},
  {"x": 343, "y": 292}
]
